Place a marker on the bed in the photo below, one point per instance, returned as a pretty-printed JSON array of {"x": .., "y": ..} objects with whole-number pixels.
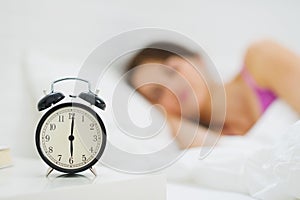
[
  {"x": 176, "y": 191},
  {"x": 225, "y": 173}
]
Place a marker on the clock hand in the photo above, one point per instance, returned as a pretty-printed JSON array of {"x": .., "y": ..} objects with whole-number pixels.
[
  {"x": 71, "y": 148},
  {"x": 71, "y": 137},
  {"x": 72, "y": 126}
]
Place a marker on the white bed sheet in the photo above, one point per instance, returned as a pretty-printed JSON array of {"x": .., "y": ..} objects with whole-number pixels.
[
  {"x": 234, "y": 169},
  {"x": 176, "y": 191}
]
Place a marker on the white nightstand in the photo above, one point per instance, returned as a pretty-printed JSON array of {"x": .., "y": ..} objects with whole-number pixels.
[{"x": 27, "y": 180}]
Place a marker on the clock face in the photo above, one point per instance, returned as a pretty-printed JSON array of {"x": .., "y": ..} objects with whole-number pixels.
[{"x": 70, "y": 137}]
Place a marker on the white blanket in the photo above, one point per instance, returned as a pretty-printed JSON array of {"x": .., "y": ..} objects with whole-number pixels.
[{"x": 265, "y": 163}]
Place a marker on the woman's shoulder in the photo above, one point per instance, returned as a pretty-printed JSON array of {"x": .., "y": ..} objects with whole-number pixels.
[{"x": 258, "y": 58}]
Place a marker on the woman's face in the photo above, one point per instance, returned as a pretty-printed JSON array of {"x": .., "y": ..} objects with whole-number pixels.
[{"x": 174, "y": 84}]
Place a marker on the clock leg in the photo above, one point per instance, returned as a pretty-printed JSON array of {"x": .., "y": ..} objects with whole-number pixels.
[
  {"x": 93, "y": 171},
  {"x": 49, "y": 171}
]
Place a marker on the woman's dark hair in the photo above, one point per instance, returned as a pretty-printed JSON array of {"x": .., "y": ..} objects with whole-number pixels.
[{"x": 157, "y": 51}]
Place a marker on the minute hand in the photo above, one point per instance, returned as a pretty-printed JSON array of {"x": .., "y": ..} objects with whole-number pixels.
[{"x": 71, "y": 137}]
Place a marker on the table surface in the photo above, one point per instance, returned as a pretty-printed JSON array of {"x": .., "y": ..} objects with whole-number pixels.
[{"x": 28, "y": 177}]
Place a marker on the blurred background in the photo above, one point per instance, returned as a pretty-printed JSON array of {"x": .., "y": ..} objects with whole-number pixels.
[{"x": 36, "y": 35}]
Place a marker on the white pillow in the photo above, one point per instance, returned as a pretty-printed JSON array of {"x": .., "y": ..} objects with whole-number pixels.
[{"x": 41, "y": 70}]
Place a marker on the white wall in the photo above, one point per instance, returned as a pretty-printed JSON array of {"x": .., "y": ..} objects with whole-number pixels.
[{"x": 70, "y": 29}]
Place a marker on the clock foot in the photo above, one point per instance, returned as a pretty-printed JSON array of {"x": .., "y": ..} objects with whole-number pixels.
[
  {"x": 93, "y": 171},
  {"x": 49, "y": 171}
]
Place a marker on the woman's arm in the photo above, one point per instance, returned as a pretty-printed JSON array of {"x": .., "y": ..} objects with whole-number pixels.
[
  {"x": 277, "y": 68},
  {"x": 189, "y": 134}
]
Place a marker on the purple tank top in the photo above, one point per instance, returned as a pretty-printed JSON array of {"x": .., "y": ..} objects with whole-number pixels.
[{"x": 264, "y": 96}]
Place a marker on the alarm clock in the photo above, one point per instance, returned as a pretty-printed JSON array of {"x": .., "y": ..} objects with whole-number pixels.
[{"x": 70, "y": 137}]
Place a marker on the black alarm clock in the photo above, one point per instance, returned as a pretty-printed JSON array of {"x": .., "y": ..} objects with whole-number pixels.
[{"x": 70, "y": 137}]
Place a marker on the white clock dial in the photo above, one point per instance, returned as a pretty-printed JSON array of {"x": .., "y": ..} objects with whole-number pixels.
[{"x": 71, "y": 137}]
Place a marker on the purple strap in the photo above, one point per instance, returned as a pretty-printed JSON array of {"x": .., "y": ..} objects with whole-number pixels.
[{"x": 264, "y": 96}]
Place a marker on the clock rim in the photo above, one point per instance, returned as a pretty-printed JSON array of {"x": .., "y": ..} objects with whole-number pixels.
[{"x": 42, "y": 121}]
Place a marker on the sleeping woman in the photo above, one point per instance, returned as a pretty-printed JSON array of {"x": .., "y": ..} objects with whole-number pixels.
[{"x": 270, "y": 71}]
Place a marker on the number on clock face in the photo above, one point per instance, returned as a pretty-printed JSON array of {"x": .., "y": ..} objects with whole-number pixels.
[{"x": 71, "y": 137}]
